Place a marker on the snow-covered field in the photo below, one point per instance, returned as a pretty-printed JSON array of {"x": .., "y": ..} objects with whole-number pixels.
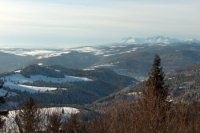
[
  {"x": 26, "y": 88},
  {"x": 36, "y": 53},
  {"x": 46, "y": 53},
  {"x": 19, "y": 78},
  {"x": 88, "y": 50},
  {"x": 16, "y": 82},
  {"x": 64, "y": 112}
]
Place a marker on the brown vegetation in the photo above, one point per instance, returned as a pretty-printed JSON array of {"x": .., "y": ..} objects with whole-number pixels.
[
  {"x": 150, "y": 114},
  {"x": 28, "y": 118},
  {"x": 54, "y": 123}
]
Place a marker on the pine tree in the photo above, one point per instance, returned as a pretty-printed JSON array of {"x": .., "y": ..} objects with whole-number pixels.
[
  {"x": 154, "y": 103},
  {"x": 28, "y": 118},
  {"x": 2, "y": 100},
  {"x": 156, "y": 88}
]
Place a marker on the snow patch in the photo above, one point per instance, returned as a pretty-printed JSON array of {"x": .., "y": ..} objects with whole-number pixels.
[
  {"x": 17, "y": 81},
  {"x": 135, "y": 93},
  {"x": 26, "y": 88},
  {"x": 88, "y": 69},
  {"x": 103, "y": 65},
  {"x": 39, "y": 54},
  {"x": 65, "y": 113},
  {"x": 129, "y": 51},
  {"x": 19, "y": 78},
  {"x": 106, "y": 55},
  {"x": 88, "y": 50},
  {"x": 57, "y": 70},
  {"x": 18, "y": 71},
  {"x": 40, "y": 64}
]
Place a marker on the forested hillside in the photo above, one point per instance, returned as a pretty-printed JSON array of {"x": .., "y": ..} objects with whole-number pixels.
[{"x": 153, "y": 111}]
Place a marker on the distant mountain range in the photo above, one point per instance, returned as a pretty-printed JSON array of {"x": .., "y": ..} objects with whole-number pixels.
[
  {"x": 156, "y": 40},
  {"x": 130, "y": 57},
  {"x": 86, "y": 75}
]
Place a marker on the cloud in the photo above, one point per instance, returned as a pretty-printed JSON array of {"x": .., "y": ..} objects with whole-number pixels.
[{"x": 90, "y": 22}]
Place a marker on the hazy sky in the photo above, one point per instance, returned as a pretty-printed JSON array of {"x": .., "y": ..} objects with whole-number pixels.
[{"x": 68, "y": 23}]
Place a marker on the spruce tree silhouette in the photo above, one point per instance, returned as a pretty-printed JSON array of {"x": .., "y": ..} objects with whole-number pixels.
[
  {"x": 155, "y": 105},
  {"x": 2, "y": 101},
  {"x": 156, "y": 88}
]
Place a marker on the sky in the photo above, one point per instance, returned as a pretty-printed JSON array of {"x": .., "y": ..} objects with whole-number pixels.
[{"x": 71, "y": 23}]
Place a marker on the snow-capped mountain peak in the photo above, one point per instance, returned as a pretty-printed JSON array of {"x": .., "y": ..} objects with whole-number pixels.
[
  {"x": 128, "y": 40},
  {"x": 149, "y": 40},
  {"x": 160, "y": 39}
]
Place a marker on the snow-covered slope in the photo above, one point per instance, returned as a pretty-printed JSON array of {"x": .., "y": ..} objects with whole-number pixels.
[
  {"x": 39, "y": 54},
  {"x": 28, "y": 88},
  {"x": 19, "y": 78},
  {"x": 64, "y": 112},
  {"x": 48, "y": 53},
  {"x": 17, "y": 82}
]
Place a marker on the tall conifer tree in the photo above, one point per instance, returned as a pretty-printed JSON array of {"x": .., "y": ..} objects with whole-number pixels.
[
  {"x": 155, "y": 98},
  {"x": 156, "y": 88},
  {"x": 2, "y": 100}
]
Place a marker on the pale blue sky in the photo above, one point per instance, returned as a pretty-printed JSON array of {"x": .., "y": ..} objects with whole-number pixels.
[{"x": 70, "y": 23}]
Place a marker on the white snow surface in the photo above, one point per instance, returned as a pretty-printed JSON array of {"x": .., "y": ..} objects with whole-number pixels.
[
  {"x": 16, "y": 82},
  {"x": 19, "y": 78},
  {"x": 65, "y": 113},
  {"x": 37, "y": 53},
  {"x": 102, "y": 65},
  {"x": 161, "y": 40},
  {"x": 18, "y": 71},
  {"x": 29, "y": 89},
  {"x": 135, "y": 93},
  {"x": 46, "y": 53},
  {"x": 40, "y": 64},
  {"x": 89, "y": 50},
  {"x": 128, "y": 40},
  {"x": 129, "y": 51}
]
